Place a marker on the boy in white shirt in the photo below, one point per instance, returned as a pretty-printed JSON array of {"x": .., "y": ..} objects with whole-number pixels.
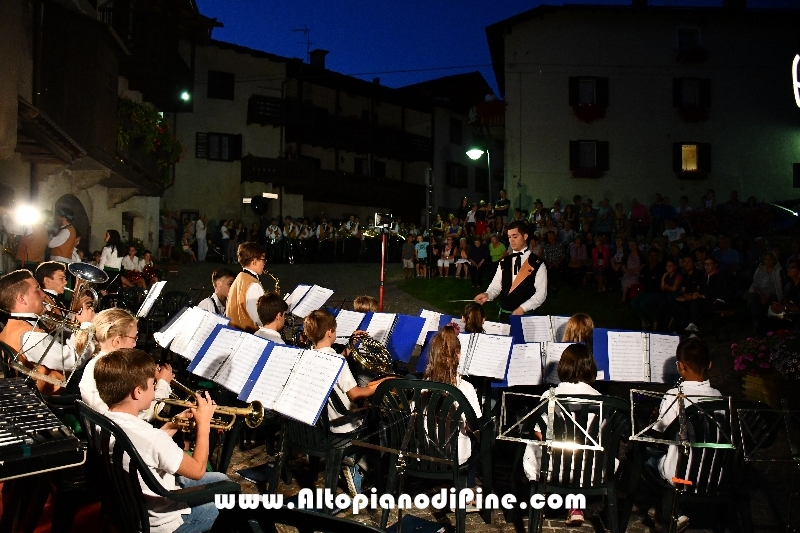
[
  {"x": 271, "y": 310},
  {"x": 221, "y": 280},
  {"x": 125, "y": 383},
  {"x": 693, "y": 361}
]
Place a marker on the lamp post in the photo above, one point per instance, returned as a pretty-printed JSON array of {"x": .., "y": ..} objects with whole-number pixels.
[{"x": 475, "y": 154}]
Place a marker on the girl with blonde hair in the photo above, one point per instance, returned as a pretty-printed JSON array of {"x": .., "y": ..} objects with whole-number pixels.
[
  {"x": 115, "y": 328},
  {"x": 579, "y": 328}
]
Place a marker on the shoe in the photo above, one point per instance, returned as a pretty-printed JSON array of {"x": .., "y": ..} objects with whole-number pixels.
[
  {"x": 575, "y": 517},
  {"x": 691, "y": 327},
  {"x": 354, "y": 478},
  {"x": 655, "y": 516}
]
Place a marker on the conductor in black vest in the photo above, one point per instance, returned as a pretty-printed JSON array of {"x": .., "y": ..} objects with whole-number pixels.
[{"x": 520, "y": 283}]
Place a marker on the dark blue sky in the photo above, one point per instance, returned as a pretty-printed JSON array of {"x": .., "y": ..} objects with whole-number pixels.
[{"x": 400, "y": 41}]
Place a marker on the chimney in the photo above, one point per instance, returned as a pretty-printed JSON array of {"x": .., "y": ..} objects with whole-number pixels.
[{"x": 317, "y": 58}]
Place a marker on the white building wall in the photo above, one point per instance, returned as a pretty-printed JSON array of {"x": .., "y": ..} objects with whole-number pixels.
[
  {"x": 446, "y": 197},
  {"x": 753, "y": 124},
  {"x": 214, "y": 187}
]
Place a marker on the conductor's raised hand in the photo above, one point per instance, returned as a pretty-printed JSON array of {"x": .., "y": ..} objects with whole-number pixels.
[
  {"x": 482, "y": 298},
  {"x": 204, "y": 410}
]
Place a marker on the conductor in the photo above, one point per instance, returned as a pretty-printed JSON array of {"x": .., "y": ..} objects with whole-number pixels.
[{"x": 520, "y": 283}]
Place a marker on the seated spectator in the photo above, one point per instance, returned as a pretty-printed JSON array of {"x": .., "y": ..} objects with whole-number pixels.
[
  {"x": 684, "y": 211},
  {"x": 600, "y": 262},
  {"x": 620, "y": 220},
  {"x": 461, "y": 256},
  {"x": 787, "y": 311},
  {"x": 553, "y": 259},
  {"x": 727, "y": 258},
  {"x": 691, "y": 279},
  {"x": 650, "y": 279},
  {"x": 497, "y": 250},
  {"x": 566, "y": 235},
  {"x": 631, "y": 269},
  {"x": 578, "y": 260},
  {"x": 765, "y": 290},
  {"x": 535, "y": 244},
  {"x": 674, "y": 233},
  {"x": 709, "y": 296},
  {"x": 649, "y": 306}
]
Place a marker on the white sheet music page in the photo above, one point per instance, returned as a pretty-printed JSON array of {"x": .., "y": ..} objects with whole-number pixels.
[
  {"x": 559, "y": 325},
  {"x": 625, "y": 356},
  {"x": 274, "y": 375},
  {"x": 662, "y": 356},
  {"x": 432, "y": 319},
  {"x": 496, "y": 328},
  {"x": 460, "y": 323},
  {"x": 308, "y": 387},
  {"x": 464, "y": 339},
  {"x": 537, "y": 329},
  {"x": 489, "y": 356},
  {"x": 296, "y": 295},
  {"x": 347, "y": 322},
  {"x": 552, "y": 356},
  {"x": 314, "y": 298},
  {"x": 189, "y": 342},
  {"x": 190, "y": 316},
  {"x": 525, "y": 367},
  {"x": 220, "y": 348},
  {"x": 148, "y": 302},
  {"x": 380, "y": 326},
  {"x": 233, "y": 375}
]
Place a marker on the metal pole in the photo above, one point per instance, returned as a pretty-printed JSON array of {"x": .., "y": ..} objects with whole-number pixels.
[
  {"x": 383, "y": 269},
  {"x": 489, "y": 172}
]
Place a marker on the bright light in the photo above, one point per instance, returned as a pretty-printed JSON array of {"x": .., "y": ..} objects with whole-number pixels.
[
  {"x": 185, "y": 96},
  {"x": 475, "y": 153},
  {"x": 795, "y": 80},
  {"x": 270, "y": 195},
  {"x": 27, "y": 215},
  {"x": 247, "y": 200}
]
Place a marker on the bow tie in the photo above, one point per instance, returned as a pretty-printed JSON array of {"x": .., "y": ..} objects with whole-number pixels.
[{"x": 518, "y": 260}]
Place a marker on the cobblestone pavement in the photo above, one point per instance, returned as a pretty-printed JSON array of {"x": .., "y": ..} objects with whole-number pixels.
[{"x": 769, "y": 486}]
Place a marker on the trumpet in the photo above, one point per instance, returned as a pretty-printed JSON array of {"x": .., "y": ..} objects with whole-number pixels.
[
  {"x": 183, "y": 388},
  {"x": 253, "y": 415}
]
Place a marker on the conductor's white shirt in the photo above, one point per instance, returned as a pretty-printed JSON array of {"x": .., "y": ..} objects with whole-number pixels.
[{"x": 540, "y": 283}]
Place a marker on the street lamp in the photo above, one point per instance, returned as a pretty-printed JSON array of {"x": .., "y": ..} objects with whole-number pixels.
[
  {"x": 475, "y": 154},
  {"x": 185, "y": 96}
]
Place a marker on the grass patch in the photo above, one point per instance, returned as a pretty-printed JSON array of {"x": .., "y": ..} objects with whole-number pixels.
[{"x": 604, "y": 308}]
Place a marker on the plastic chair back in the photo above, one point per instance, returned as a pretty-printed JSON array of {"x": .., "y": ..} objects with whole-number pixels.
[{"x": 174, "y": 301}]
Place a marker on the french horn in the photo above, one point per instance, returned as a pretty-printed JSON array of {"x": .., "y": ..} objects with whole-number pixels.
[{"x": 370, "y": 358}]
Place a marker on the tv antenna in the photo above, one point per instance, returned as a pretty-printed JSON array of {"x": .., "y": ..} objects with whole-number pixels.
[{"x": 307, "y": 32}]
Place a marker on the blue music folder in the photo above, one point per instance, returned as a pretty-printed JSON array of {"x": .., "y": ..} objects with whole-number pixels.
[
  {"x": 600, "y": 350},
  {"x": 403, "y": 339},
  {"x": 516, "y": 329},
  {"x": 204, "y": 348}
]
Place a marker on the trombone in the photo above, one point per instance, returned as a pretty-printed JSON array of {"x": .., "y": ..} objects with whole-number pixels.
[{"x": 253, "y": 415}]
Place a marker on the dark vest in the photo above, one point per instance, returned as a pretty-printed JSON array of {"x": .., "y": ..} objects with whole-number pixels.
[{"x": 524, "y": 290}]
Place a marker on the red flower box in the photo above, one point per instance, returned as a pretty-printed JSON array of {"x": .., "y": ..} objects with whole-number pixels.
[{"x": 589, "y": 112}]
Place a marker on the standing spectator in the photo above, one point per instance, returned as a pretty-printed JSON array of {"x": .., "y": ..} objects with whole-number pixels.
[
  {"x": 604, "y": 225},
  {"x": 463, "y": 209},
  {"x": 462, "y": 261},
  {"x": 225, "y": 240},
  {"x": 481, "y": 226},
  {"x": 421, "y": 256},
  {"x": 201, "y": 232},
  {"x": 553, "y": 259},
  {"x": 557, "y": 214},
  {"x": 538, "y": 216},
  {"x": 478, "y": 261},
  {"x": 168, "y": 237},
  {"x": 501, "y": 206},
  {"x": 255, "y": 233},
  {"x": 600, "y": 262},
  {"x": 640, "y": 219},
  {"x": 407, "y": 255},
  {"x": 471, "y": 219}
]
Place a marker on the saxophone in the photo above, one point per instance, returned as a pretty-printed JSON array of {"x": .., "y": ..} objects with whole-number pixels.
[{"x": 276, "y": 280}]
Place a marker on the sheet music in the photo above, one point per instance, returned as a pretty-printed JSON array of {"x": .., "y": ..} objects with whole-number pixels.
[
  {"x": 347, "y": 322},
  {"x": 559, "y": 325},
  {"x": 380, "y": 326},
  {"x": 220, "y": 348},
  {"x": 662, "y": 356},
  {"x": 552, "y": 356},
  {"x": 525, "y": 367},
  {"x": 496, "y": 328},
  {"x": 191, "y": 339},
  {"x": 309, "y": 385},
  {"x": 190, "y": 316},
  {"x": 314, "y": 298},
  {"x": 432, "y": 319},
  {"x": 489, "y": 356},
  {"x": 537, "y": 328},
  {"x": 151, "y": 298},
  {"x": 464, "y": 339},
  {"x": 296, "y": 295},
  {"x": 625, "y": 356},
  {"x": 233, "y": 375},
  {"x": 274, "y": 375}
]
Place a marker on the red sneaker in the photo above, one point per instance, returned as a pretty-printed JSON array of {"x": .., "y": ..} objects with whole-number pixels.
[{"x": 575, "y": 517}]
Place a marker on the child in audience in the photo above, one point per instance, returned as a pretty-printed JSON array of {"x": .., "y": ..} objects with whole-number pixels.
[
  {"x": 320, "y": 328},
  {"x": 577, "y": 372},
  {"x": 474, "y": 316},
  {"x": 693, "y": 362},
  {"x": 443, "y": 367},
  {"x": 271, "y": 309},
  {"x": 365, "y": 304},
  {"x": 125, "y": 383}
]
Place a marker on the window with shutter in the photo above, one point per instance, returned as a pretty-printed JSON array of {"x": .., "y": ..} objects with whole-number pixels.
[
  {"x": 201, "y": 145},
  {"x": 586, "y": 92},
  {"x": 218, "y": 146},
  {"x": 456, "y": 175},
  {"x": 691, "y": 160}
]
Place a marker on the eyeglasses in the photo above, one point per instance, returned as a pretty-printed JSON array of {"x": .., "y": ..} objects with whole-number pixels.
[{"x": 136, "y": 338}]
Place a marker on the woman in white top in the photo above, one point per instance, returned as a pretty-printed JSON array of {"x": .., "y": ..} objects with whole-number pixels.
[
  {"x": 111, "y": 259},
  {"x": 443, "y": 367},
  {"x": 115, "y": 328}
]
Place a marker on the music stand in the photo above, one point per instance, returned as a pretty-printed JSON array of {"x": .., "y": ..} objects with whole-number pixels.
[
  {"x": 760, "y": 429},
  {"x": 679, "y": 401}
]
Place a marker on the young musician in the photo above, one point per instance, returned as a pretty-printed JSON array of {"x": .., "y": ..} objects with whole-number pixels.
[
  {"x": 290, "y": 233},
  {"x": 132, "y": 270},
  {"x": 443, "y": 367},
  {"x": 579, "y": 328},
  {"x": 115, "y": 328},
  {"x": 577, "y": 372},
  {"x": 325, "y": 240},
  {"x": 221, "y": 280},
  {"x": 63, "y": 242},
  {"x": 125, "y": 383},
  {"x": 693, "y": 360},
  {"x": 474, "y": 316},
  {"x": 52, "y": 278},
  {"x": 271, "y": 309},
  {"x": 242, "y": 304},
  {"x": 365, "y": 304},
  {"x": 111, "y": 258},
  {"x": 274, "y": 236},
  {"x": 21, "y": 295},
  {"x": 520, "y": 283}
]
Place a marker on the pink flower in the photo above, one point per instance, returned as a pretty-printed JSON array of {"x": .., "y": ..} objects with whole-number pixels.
[
  {"x": 734, "y": 346},
  {"x": 764, "y": 365}
]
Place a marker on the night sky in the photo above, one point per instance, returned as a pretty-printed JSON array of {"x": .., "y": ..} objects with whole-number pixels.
[{"x": 400, "y": 41}]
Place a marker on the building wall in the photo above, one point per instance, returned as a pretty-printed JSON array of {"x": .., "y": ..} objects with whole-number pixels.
[
  {"x": 753, "y": 125},
  {"x": 214, "y": 187}
]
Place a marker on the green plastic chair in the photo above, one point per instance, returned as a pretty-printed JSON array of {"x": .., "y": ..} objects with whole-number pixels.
[
  {"x": 440, "y": 409},
  {"x": 122, "y": 491}
]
